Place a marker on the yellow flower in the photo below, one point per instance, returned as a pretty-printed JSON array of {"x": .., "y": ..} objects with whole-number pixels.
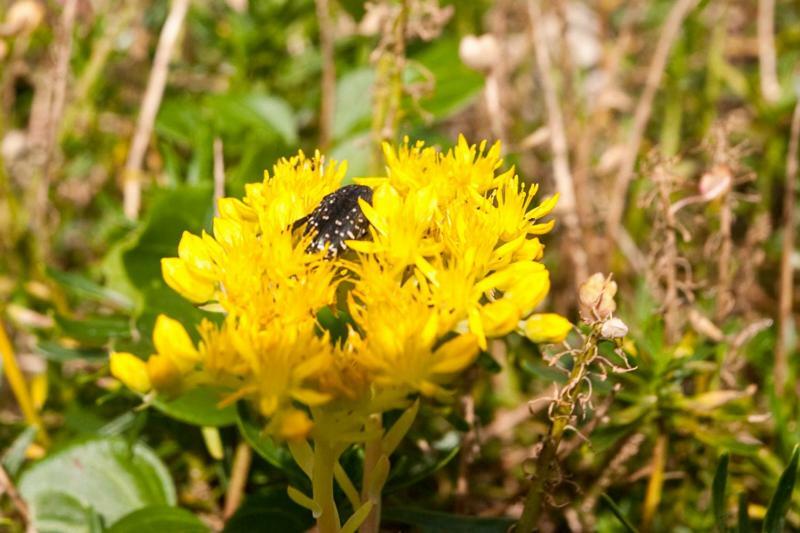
[
  {"x": 172, "y": 341},
  {"x": 547, "y": 328},
  {"x": 131, "y": 371}
]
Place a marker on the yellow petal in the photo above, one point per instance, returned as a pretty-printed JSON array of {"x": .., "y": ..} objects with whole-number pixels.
[
  {"x": 547, "y": 328},
  {"x": 543, "y": 208},
  {"x": 164, "y": 374},
  {"x": 476, "y": 327},
  {"x": 195, "y": 255},
  {"x": 171, "y": 340},
  {"x": 455, "y": 355},
  {"x": 541, "y": 229},
  {"x": 310, "y": 397},
  {"x": 500, "y": 317},
  {"x": 131, "y": 371},
  {"x": 182, "y": 281}
]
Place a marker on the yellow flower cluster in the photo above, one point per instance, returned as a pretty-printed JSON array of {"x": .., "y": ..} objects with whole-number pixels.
[{"x": 451, "y": 259}]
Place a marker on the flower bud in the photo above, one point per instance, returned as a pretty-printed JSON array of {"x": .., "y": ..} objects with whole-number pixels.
[
  {"x": 547, "y": 328},
  {"x": 479, "y": 53},
  {"x": 716, "y": 182},
  {"x": 24, "y": 16},
  {"x": 613, "y": 329},
  {"x": 596, "y": 298}
]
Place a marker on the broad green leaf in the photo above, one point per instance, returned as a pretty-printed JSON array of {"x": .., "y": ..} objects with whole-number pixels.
[
  {"x": 353, "y": 108},
  {"x": 275, "y": 112},
  {"x": 268, "y": 512},
  {"x": 198, "y": 406},
  {"x": 618, "y": 513},
  {"x": 779, "y": 504},
  {"x": 159, "y": 518},
  {"x": 718, "y": 493},
  {"x": 60, "y": 512},
  {"x": 456, "y": 85},
  {"x": 436, "y": 522},
  {"x": 107, "y": 475},
  {"x": 357, "y": 151}
]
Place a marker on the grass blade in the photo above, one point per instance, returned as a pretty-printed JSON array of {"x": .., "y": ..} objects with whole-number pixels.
[
  {"x": 779, "y": 504},
  {"x": 618, "y": 513},
  {"x": 718, "y": 492},
  {"x": 743, "y": 525}
]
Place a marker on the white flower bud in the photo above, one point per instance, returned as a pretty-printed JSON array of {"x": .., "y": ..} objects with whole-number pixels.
[{"x": 613, "y": 329}]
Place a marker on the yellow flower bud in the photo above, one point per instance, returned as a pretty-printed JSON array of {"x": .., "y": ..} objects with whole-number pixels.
[
  {"x": 295, "y": 424},
  {"x": 547, "y": 328},
  {"x": 164, "y": 375},
  {"x": 172, "y": 341},
  {"x": 131, "y": 371}
]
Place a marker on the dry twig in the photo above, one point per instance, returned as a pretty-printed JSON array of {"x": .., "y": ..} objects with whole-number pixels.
[
  {"x": 132, "y": 183},
  {"x": 241, "y": 467},
  {"x": 558, "y": 145},
  {"x": 787, "y": 275},
  {"x": 768, "y": 77}
]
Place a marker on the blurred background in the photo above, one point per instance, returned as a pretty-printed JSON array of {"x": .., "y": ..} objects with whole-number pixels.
[{"x": 668, "y": 127}]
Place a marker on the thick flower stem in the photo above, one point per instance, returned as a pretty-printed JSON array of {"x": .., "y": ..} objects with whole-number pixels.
[
  {"x": 372, "y": 452},
  {"x": 547, "y": 461},
  {"x": 322, "y": 482}
]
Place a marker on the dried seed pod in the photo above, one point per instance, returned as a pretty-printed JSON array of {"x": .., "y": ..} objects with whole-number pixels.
[{"x": 596, "y": 296}]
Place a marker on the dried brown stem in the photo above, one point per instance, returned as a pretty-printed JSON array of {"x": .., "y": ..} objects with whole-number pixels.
[
  {"x": 132, "y": 183},
  {"x": 328, "y": 88},
  {"x": 786, "y": 288},
  {"x": 219, "y": 173},
  {"x": 239, "y": 471},
  {"x": 644, "y": 106},
  {"x": 558, "y": 145},
  {"x": 7, "y": 486},
  {"x": 768, "y": 76}
]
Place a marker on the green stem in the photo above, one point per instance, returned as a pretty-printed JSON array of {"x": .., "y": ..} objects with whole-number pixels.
[
  {"x": 322, "y": 484},
  {"x": 372, "y": 452},
  {"x": 547, "y": 461}
]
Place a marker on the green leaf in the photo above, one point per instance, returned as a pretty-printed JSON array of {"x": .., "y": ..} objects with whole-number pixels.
[
  {"x": 269, "y": 511},
  {"x": 107, "y": 475},
  {"x": 743, "y": 522},
  {"x": 159, "y": 518},
  {"x": 353, "y": 111},
  {"x": 436, "y": 522},
  {"x": 618, "y": 513},
  {"x": 779, "y": 504},
  {"x": 276, "y": 113},
  {"x": 718, "y": 492},
  {"x": 86, "y": 289},
  {"x": 52, "y": 351},
  {"x": 95, "y": 331},
  {"x": 14, "y": 456},
  {"x": 198, "y": 406},
  {"x": 409, "y": 469},
  {"x": 357, "y": 151},
  {"x": 456, "y": 85},
  {"x": 59, "y": 512},
  {"x": 275, "y": 454}
]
